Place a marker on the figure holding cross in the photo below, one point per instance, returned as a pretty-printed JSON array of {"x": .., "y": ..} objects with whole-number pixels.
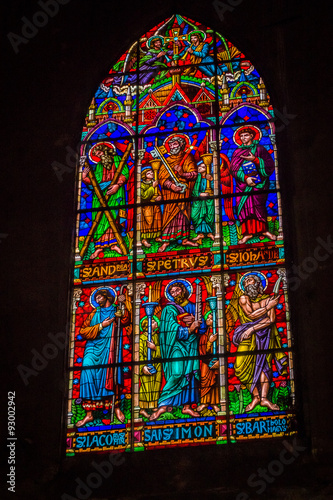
[{"x": 108, "y": 183}]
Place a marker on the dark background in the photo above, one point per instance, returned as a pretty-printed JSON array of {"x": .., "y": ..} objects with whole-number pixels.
[{"x": 47, "y": 88}]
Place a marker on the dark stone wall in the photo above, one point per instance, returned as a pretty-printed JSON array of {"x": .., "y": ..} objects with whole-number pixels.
[{"x": 47, "y": 87}]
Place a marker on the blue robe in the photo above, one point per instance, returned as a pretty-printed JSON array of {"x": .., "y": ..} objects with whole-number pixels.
[
  {"x": 92, "y": 383},
  {"x": 201, "y": 56}
]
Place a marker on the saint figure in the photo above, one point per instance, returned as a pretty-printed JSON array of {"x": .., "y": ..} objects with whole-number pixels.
[
  {"x": 177, "y": 215},
  {"x": 199, "y": 55},
  {"x": 258, "y": 332},
  {"x": 104, "y": 236},
  {"x": 150, "y": 383},
  {"x": 251, "y": 166},
  {"x": 98, "y": 389},
  {"x": 152, "y": 63},
  {"x": 179, "y": 333}
]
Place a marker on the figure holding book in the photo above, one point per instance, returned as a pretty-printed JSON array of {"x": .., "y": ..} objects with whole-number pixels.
[{"x": 180, "y": 329}]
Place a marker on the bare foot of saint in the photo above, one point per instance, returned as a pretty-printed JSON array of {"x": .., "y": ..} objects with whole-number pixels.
[
  {"x": 85, "y": 420},
  {"x": 216, "y": 408},
  {"x": 189, "y": 243},
  {"x": 115, "y": 248},
  {"x": 211, "y": 236},
  {"x": 255, "y": 401},
  {"x": 270, "y": 236},
  {"x": 145, "y": 243},
  {"x": 144, "y": 413},
  {"x": 120, "y": 416},
  {"x": 268, "y": 404},
  {"x": 157, "y": 413},
  {"x": 201, "y": 407},
  {"x": 199, "y": 237},
  {"x": 96, "y": 253},
  {"x": 188, "y": 411},
  {"x": 163, "y": 247},
  {"x": 245, "y": 239},
  {"x": 169, "y": 409}
]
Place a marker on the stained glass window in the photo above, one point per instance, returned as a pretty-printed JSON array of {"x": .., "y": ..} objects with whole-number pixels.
[{"x": 180, "y": 329}]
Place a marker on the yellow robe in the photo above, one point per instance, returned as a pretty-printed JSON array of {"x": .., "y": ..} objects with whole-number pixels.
[
  {"x": 245, "y": 364},
  {"x": 150, "y": 385}
]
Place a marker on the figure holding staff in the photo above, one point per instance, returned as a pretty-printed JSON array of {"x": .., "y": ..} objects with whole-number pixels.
[
  {"x": 177, "y": 176},
  {"x": 99, "y": 388},
  {"x": 180, "y": 328},
  {"x": 107, "y": 182},
  {"x": 256, "y": 334}
]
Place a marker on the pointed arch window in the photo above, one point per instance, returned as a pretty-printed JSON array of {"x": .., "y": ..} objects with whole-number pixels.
[{"x": 180, "y": 328}]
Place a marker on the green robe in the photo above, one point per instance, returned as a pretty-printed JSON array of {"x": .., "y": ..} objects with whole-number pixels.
[
  {"x": 203, "y": 211},
  {"x": 176, "y": 344},
  {"x": 147, "y": 190}
]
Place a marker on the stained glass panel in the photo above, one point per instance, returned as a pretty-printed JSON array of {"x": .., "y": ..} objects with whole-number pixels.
[{"x": 180, "y": 328}]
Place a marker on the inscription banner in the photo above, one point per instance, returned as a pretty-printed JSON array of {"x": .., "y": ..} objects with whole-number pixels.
[
  {"x": 180, "y": 261},
  {"x": 252, "y": 428},
  {"x": 252, "y": 255},
  {"x": 178, "y": 433},
  {"x": 101, "y": 271},
  {"x": 100, "y": 441}
]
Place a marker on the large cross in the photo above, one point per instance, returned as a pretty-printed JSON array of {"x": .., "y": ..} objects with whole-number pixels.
[{"x": 175, "y": 37}]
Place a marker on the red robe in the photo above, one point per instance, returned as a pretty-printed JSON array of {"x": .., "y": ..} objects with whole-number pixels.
[{"x": 177, "y": 216}]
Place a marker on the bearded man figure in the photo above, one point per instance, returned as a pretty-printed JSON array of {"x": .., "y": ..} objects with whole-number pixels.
[
  {"x": 98, "y": 389},
  {"x": 257, "y": 332},
  {"x": 153, "y": 62},
  {"x": 251, "y": 166},
  {"x": 179, "y": 338},
  {"x": 105, "y": 170},
  {"x": 177, "y": 216}
]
